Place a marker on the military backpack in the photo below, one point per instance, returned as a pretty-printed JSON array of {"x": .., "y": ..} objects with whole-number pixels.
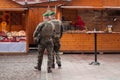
[{"x": 47, "y": 30}]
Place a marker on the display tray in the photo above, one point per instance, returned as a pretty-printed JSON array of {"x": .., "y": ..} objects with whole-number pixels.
[
  {"x": 13, "y": 46},
  {"x": 12, "y": 39}
]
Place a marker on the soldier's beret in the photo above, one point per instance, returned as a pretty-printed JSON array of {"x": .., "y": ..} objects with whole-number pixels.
[
  {"x": 46, "y": 14},
  {"x": 51, "y": 13}
]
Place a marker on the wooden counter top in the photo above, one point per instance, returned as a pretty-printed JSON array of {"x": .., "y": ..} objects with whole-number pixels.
[{"x": 78, "y": 31}]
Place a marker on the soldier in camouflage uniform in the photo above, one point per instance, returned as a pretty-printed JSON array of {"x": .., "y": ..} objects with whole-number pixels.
[
  {"x": 43, "y": 37},
  {"x": 56, "y": 39}
]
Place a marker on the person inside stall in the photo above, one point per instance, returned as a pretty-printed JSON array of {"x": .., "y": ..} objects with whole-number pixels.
[
  {"x": 63, "y": 18},
  {"x": 79, "y": 24}
]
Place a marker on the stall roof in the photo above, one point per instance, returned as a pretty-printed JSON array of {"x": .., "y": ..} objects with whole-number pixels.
[
  {"x": 52, "y": 3},
  {"x": 9, "y": 5},
  {"x": 76, "y": 6},
  {"x": 91, "y": 7}
]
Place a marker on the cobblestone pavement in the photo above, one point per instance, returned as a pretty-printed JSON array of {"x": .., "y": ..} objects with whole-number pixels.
[{"x": 74, "y": 67}]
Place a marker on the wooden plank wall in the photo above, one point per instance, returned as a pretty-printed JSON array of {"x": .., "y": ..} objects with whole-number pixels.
[
  {"x": 111, "y": 2},
  {"x": 76, "y": 42},
  {"x": 109, "y": 42},
  {"x": 35, "y": 17},
  {"x": 84, "y": 42},
  {"x": 70, "y": 14}
]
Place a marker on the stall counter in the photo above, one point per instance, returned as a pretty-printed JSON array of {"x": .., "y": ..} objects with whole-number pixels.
[{"x": 77, "y": 41}]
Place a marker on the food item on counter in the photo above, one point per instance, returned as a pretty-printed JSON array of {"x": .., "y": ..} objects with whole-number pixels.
[
  {"x": 12, "y": 36},
  {"x": 9, "y": 34},
  {"x": 1, "y": 38},
  {"x": 15, "y": 33},
  {"x": 2, "y": 33},
  {"x": 22, "y": 33}
]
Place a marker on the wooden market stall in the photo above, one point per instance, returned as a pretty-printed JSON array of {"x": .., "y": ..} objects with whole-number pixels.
[
  {"x": 13, "y": 27},
  {"x": 97, "y": 14}
]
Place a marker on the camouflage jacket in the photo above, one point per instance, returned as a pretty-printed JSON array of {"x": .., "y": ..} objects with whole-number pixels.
[
  {"x": 36, "y": 34},
  {"x": 58, "y": 28}
]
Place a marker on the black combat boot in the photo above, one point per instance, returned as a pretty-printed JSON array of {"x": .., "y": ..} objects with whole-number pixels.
[
  {"x": 36, "y": 67},
  {"x": 59, "y": 65},
  {"x": 49, "y": 70}
]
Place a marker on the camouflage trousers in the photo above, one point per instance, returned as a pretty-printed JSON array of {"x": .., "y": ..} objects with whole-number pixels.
[
  {"x": 48, "y": 45},
  {"x": 56, "y": 51}
]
